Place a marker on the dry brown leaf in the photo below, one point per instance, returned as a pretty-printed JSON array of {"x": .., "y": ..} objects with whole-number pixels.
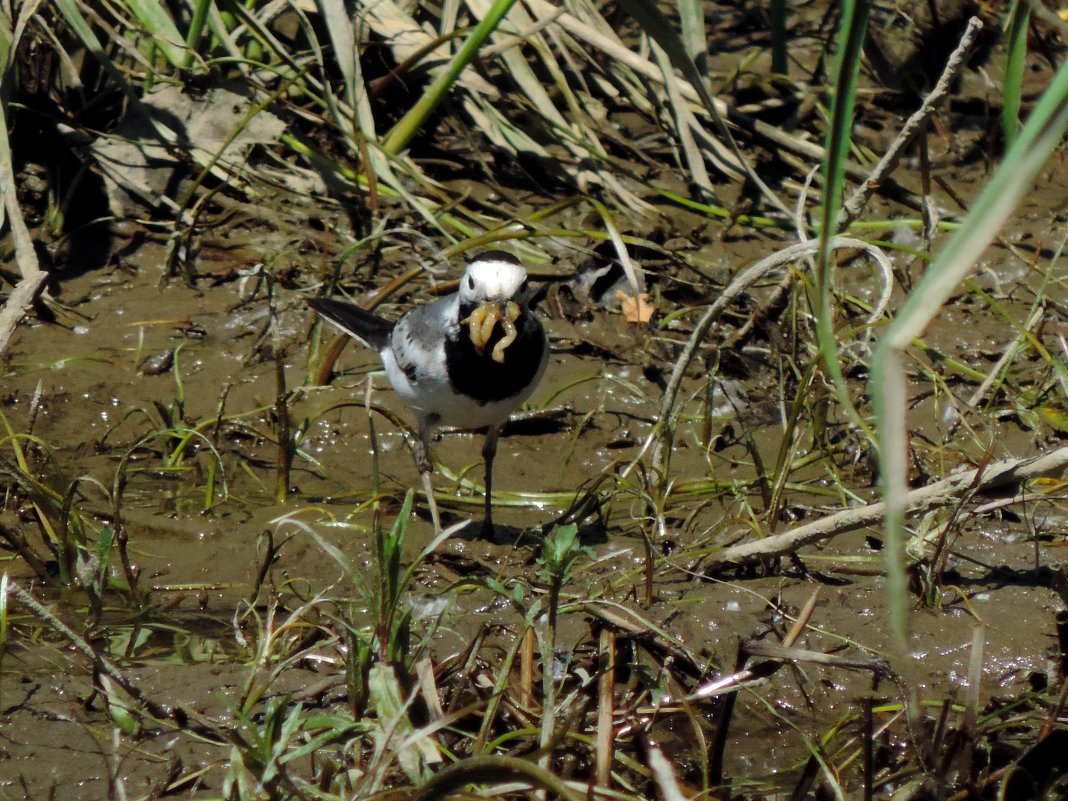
[{"x": 635, "y": 308}]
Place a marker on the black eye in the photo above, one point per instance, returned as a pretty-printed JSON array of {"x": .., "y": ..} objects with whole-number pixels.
[{"x": 471, "y": 283}]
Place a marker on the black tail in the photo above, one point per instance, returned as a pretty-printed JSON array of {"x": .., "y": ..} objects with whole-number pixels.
[{"x": 353, "y": 320}]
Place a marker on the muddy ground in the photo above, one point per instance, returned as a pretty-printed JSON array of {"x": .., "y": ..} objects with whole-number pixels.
[
  {"x": 85, "y": 388},
  {"x": 91, "y": 387}
]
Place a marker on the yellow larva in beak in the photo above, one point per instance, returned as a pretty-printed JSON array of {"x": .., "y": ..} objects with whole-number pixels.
[{"x": 484, "y": 319}]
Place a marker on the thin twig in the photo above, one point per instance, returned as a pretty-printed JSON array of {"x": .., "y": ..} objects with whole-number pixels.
[
  {"x": 913, "y": 125},
  {"x": 1007, "y": 356}
]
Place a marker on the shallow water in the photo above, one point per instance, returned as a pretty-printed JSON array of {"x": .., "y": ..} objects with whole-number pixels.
[{"x": 148, "y": 380}]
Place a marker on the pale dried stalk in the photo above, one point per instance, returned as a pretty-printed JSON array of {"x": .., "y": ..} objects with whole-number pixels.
[
  {"x": 33, "y": 277},
  {"x": 606, "y": 685},
  {"x": 100, "y": 662},
  {"x": 913, "y": 125},
  {"x": 1007, "y": 473}
]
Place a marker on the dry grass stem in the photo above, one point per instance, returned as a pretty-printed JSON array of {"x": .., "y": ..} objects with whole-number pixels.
[{"x": 1006, "y": 475}]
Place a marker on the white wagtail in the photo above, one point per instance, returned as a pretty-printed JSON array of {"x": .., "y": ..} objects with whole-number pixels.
[{"x": 466, "y": 360}]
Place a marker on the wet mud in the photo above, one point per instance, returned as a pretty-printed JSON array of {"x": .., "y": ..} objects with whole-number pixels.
[
  {"x": 169, "y": 393},
  {"x": 136, "y": 352}
]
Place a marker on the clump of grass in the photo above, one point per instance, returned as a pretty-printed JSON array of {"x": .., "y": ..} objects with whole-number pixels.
[{"x": 584, "y": 728}]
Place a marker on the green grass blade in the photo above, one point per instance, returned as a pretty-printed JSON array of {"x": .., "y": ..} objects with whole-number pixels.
[
  {"x": 777, "y": 13},
  {"x": 1012, "y": 179},
  {"x": 197, "y": 23},
  {"x": 694, "y": 37},
  {"x": 851, "y": 34},
  {"x": 154, "y": 18},
  {"x": 1015, "y": 61},
  {"x": 408, "y": 126}
]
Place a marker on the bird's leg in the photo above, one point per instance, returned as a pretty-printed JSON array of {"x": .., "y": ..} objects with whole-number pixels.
[
  {"x": 426, "y": 467},
  {"x": 489, "y": 450}
]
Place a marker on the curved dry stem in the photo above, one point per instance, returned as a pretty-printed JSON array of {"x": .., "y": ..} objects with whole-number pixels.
[{"x": 748, "y": 277}]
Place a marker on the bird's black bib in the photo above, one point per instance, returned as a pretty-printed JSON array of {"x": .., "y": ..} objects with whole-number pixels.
[{"x": 485, "y": 380}]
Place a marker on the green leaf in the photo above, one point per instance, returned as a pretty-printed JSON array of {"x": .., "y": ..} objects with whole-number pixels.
[
  {"x": 157, "y": 22},
  {"x": 1056, "y": 417},
  {"x": 1015, "y": 62}
]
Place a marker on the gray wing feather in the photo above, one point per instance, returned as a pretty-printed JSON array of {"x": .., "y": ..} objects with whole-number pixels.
[{"x": 419, "y": 337}]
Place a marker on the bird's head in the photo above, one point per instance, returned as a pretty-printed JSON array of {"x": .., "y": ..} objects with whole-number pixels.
[
  {"x": 495, "y": 276},
  {"x": 492, "y": 292}
]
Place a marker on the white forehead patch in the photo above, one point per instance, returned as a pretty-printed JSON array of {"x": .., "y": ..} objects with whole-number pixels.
[{"x": 493, "y": 280}]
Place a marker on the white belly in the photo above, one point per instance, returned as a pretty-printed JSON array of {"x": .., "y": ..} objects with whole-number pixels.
[{"x": 430, "y": 396}]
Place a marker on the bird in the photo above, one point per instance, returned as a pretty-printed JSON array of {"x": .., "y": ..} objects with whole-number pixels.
[{"x": 466, "y": 360}]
